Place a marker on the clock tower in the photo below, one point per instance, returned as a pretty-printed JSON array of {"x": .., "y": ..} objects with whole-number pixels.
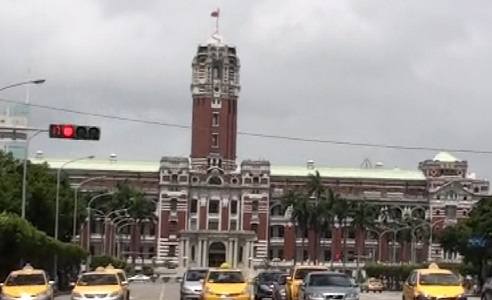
[{"x": 215, "y": 89}]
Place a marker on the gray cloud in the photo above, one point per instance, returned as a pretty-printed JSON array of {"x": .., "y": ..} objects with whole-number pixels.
[{"x": 412, "y": 73}]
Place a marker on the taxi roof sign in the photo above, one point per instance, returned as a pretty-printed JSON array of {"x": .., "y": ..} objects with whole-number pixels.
[
  {"x": 100, "y": 269},
  {"x": 28, "y": 267},
  {"x": 225, "y": 266},
  {"x": 109, "y": 267},
  {"x": 433, "y": 266}
]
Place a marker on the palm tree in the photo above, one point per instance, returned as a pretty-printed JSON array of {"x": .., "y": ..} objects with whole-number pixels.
[
  {"x": 363, "y": 216},
  {"x": 316, "y": 192},
  {"x": 298, "y": 205},
  {"x": 341, "y": 211}
]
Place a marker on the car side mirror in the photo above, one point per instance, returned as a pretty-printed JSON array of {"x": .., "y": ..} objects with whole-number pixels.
[
  {"x": 288, "y": 280},
  {"x": 303, "y": 286},
  {"x": 124, "y": 283},
  {"x": 1, "y": 284},
  {"x": 72, "y": 284},
  {"x": 51, "y": 282}
]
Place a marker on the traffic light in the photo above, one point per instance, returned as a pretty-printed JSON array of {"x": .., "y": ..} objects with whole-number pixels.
[{"x": 75, "y": 132}]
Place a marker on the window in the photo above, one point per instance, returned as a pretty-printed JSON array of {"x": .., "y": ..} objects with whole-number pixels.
[
  {"x": 174, "y": 204},
  {"x": 254, "y": 205},
  {"x": 254, "y": 227},
  {"x": 215, "y": 140},
  {"x": 172, "y": 251},
  {"x": 173, "y": 227},
  {"x": 215, "y": 119},
  {"x": 213, "y": 224},
  {"x": 193, "y": 224},
  {"x": 194, "y": 206},
  {"x": 233, "y": 225},
  {"x": 213, "y": 207},
  {"x": 234, "y": 207}
]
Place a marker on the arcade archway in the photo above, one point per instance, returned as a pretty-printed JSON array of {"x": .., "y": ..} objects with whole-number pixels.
[{"x": 216, "y": 254}]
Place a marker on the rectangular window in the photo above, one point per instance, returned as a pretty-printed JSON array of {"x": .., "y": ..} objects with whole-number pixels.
[
  {"x": 234, "y": 207},
  {"x": 233, "y": 225},
  {"x": 172, "y": 251},
  {"x": 213, "y": 224},
  {"x": 255, "y": 205},
  {"x": 194, "y": 206},
  {"x": 215, "y": 119},
  {"x": 215, "y": 140},
  {"x": 213, "y": 207},
  {"x": 193, "y": 224}
]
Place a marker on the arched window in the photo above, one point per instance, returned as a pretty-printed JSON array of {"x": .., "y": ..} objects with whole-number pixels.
[{"x": 215, "y": 180}]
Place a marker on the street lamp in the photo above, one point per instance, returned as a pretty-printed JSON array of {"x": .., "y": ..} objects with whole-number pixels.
[
  {"x": 24, "y": 171},
  {"x": 89, "y": 216},
  {"x": 57, "y": 204},
  {"x": 37, "y": 81},
  {"x": 26, "y": 150},
  {"x": 76, "y": 201}
]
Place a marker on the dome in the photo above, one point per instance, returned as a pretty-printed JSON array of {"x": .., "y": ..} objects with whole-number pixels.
[{"x": 445, "y": 157}]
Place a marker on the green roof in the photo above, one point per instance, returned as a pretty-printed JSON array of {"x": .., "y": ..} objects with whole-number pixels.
[
  {"x": 362, "y": 173},
  {"x": 288, "y": 171}
]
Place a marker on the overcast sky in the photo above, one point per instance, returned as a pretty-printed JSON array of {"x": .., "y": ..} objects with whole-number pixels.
[{"x": 392, "y": 72}]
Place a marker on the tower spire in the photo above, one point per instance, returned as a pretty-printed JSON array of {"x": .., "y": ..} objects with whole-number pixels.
[{"x": 216, "y": 14}]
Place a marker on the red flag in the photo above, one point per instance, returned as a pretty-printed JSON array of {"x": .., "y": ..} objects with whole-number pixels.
[{"x": 215, "y": 14}]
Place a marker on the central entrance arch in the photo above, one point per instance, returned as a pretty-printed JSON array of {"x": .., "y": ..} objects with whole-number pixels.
[{"x": 216, "y": 254}]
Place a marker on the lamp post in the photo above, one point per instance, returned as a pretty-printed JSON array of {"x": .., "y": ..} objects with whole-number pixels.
[
  {"x": 37, "y": 81},
  {"x": 24, "y": 171},
  {"x": 117, "y": 231},
  {"x": 89, "y": 216},
  {"x": 57, "y": 205},
  {"x": 76, "y": 202},
  {"x": 106, "y": 222},
  {"x": 26, "y": 150}
]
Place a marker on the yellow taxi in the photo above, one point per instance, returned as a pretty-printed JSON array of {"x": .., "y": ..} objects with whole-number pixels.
[
  {"x": 27, "y": 283},
  {"x": 225, "y": 283},
  {"x": 433, "y": 283},
  {"x": 123, "y": 278},
  {"x": 99, "y": 284},
  {"x": 296, "y": 277}
]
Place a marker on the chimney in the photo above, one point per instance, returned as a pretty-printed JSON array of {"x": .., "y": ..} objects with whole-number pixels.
[{"x": 310, "y": 164}]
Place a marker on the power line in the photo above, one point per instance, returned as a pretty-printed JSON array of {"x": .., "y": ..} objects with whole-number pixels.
[{"x": 260, "y": 135}]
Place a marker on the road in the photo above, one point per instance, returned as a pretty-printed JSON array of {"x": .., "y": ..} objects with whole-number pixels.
[{"x": 170, "y": 291}]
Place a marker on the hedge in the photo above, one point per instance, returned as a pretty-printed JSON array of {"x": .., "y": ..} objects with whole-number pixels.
[{"x": 20, "y": 242}]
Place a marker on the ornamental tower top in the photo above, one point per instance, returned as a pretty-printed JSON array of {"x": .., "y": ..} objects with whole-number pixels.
[{"x": 215, "y": 90}]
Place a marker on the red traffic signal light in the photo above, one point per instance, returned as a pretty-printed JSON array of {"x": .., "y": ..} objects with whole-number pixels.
[{"x": 75, "y": 132}]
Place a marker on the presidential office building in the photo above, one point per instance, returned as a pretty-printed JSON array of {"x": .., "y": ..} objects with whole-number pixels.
[{"x": 212, "y": 208}]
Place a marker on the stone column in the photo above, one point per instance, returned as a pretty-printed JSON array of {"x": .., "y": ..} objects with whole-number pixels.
[
  {"x": 181, "y": 252},
  {"x": 186, "y": 252},
  {"x": 247, "y": 253},
  {"x": 235, "y": 253},
  {"x": 198, "y": 255},
  {"x": 205, "y": 253}
]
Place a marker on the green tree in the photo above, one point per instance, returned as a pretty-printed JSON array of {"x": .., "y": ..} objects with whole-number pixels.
[{"x": 41, "y": 191}]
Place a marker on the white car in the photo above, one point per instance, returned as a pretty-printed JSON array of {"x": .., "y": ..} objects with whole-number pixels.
[{"x": 139, "y": 278}]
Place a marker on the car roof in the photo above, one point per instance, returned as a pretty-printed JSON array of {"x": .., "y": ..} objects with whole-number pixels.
[
  {"x": 327, "y": 273},
  {"x": 197, "y": 269}
]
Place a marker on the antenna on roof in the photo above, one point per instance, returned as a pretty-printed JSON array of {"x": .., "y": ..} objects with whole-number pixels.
[{"x": 366, "y": 164}]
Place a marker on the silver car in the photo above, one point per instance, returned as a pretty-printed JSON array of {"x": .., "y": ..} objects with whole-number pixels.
[
  {"x": 328, "y": 285},
  {"x": 192, "y": 284}
]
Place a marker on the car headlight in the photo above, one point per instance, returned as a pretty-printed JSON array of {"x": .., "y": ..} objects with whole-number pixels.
[
  {"x": 185, "y": 289},
  {"x": 114, "y": 294},
  {"x": 281, "y": 291},
  {"x": 315, "y": 296},
  {"x": 42, "y": 294},
  {"x": 352, "y": 295}
]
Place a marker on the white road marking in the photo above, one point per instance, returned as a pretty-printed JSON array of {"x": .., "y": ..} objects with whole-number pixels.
[{"x": 163, "y": 292}]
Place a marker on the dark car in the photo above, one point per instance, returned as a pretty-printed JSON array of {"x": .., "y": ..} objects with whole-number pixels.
[
  {"x": 279, "y": 288},
  {"x": 264, "y": 284}
]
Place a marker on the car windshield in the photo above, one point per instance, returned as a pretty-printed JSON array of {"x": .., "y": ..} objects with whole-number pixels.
[
  {"x": 301, "y": 273},
  {"x": 98, "y": 279},
  {"x": 439, "y": 279},
  {"x": 329, "y": 280},
  {"x": 226, "y": 277},
  {"x": 268, "y": 277},
  {"x": 282, "y": 279},
  {"x": 25, "y": 279},
  {"x": 196, "y": 275}
]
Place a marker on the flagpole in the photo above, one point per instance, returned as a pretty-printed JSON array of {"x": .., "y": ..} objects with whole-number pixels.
[{"x": 217, "y": 21}]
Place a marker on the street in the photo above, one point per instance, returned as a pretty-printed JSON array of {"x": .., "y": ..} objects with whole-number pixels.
[{"x": 170, "y": 291}]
